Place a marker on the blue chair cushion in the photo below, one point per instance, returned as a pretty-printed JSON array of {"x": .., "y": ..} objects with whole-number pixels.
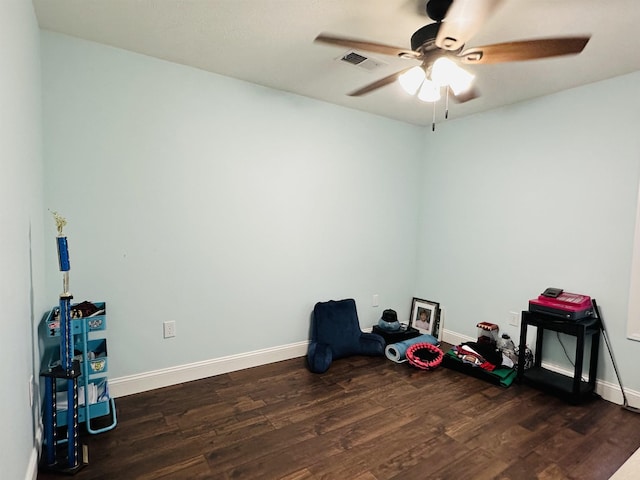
[{"x": 335, "y": 334}]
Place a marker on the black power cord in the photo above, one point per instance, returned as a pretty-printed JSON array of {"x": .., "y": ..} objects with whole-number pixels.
[{"x": 567, "y": 355}]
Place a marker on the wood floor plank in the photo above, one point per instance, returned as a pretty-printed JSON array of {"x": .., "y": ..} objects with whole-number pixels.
[
  {"x": 530, "y": 466},
  {"x": 240, "y": 450},
  {"x": 419, "y": 457},
  {"x": 552, "y": 472},
  {"x": 190, "y": 468},
  {"x": 303, "y": 474}
]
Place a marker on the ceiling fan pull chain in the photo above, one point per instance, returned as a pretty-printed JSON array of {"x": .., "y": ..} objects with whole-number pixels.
[
  {"x": 433, "y": 121},
  {"x": 446, "y": 105}
]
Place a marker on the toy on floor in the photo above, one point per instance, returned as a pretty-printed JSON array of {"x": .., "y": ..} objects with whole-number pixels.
[{"x": 424, "y": 355}]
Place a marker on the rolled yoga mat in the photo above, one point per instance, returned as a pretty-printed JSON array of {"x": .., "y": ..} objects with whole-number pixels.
[{"x": 397, "y": 352}]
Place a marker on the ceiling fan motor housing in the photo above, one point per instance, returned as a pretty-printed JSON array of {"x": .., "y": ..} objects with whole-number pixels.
[
  {"x": 425, "y": 37},
  {"x": 437, "y": 9}
]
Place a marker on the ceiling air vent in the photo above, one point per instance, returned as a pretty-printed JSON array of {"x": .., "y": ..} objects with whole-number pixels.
[{"x": 360, "y": 61}]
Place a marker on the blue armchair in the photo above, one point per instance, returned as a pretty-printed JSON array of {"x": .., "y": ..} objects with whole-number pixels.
[{"x": 335, "y": 333}]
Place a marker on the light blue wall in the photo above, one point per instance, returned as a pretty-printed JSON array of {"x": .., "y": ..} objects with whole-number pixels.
[
  {"x": 230, "y": 207},
  {"x": 21, "y": 248},
  {"x": 227, "y": 207},
  {"x": 530, "y": 196},
  {"x": 178, "y": 187}
]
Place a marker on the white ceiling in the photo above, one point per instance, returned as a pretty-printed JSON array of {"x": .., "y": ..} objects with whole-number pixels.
[{"x": 270, "y": 43}]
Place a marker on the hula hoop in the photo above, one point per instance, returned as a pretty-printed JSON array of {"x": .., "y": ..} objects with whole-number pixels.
[{"x": 424, "y": 356}]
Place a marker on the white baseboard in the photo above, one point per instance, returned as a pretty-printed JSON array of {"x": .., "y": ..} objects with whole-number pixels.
[
  {"x": 142, "y": 382},
  {"x": 608, "y": 391},
  {"x": 454, "y": 338},
  {"x": 119, "y": 387},
  {"x": 32, "y": 467},
  {"x": 129, "y": 385}
]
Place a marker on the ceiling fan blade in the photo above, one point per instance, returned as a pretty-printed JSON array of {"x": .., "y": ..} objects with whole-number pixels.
[
  {"x": 524, "y": 50},
  {"x": 465, "y": 96},
  {"x": 378, "y": 83},
  {"x": 367, "y": 46},
  {"x": 463, "y": 20}
]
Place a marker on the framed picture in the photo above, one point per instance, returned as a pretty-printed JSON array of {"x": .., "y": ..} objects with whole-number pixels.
[{"x": 425, "y": 316}]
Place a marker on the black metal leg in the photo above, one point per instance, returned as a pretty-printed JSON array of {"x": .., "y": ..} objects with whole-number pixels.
[
  {"x": 577, "y": 375},
  {"x": 522, "y": 348}
]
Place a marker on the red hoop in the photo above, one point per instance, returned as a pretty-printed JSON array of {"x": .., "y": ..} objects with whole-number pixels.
[{"x": 424, "y": 355}]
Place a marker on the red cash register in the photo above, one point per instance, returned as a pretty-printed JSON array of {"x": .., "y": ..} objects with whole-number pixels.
[{"x": 556, "y": 302}]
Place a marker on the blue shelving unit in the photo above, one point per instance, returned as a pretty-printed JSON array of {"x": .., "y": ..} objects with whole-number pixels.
[
  {"x": 78, "y": 367},
  {"x": 91, "y": 354}
]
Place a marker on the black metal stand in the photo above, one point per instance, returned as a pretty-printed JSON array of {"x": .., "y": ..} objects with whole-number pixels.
[
  {"x": 54, "y": 457},
  {"x": 572, "y": 389}
]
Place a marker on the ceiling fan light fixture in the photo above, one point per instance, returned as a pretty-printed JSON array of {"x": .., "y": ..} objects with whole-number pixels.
[
  {"x": 429, "y": 92},
  {"x": 412, "y": 79},
  {"x": 447, "y": 72},
  {"x": 461, "y": 81}
]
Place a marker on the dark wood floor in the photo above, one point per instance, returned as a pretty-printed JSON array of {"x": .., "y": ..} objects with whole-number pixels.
[{"x": 365, "y": 419}]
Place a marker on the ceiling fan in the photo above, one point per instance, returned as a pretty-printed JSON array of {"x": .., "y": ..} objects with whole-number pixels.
[{"x": 440, "y": 47}]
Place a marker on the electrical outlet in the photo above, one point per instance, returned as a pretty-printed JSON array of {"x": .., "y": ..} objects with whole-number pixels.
[
  {"x": 169, "y": 329},
  {"x": 514, "y": 319}
]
